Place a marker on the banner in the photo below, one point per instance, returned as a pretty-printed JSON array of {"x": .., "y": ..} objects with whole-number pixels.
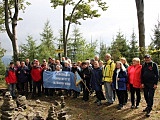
[{"x": 60, "y": 79}]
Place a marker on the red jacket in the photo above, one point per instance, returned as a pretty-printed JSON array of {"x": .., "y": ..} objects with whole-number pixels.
[
  {"x": 134, "y": 75},
  {"x": 11, "y": 77},
  {"x": 36, "y": 74}
]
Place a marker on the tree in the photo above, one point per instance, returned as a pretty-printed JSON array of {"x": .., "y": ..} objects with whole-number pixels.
[
  {"x": 12, "y": 8},
  {"x": 103, "y": 50},
  {"x": 154, "y": 47},
  {"x": 1, "y": 17},
  {"x": 78, "y": 48},
  {"x": 141, "y": 26},
  {"x": 29, "y": 50},
  {"x": 133, "y": 50},
  {"x": 2, "y": 66},
  {"x": 47, "y": 42},
  {"x": 119, "y": 47},
  {"x": 80, "y": 11}
]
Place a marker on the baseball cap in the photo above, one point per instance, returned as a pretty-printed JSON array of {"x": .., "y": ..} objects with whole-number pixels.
[{"x": 147, "y": 56}]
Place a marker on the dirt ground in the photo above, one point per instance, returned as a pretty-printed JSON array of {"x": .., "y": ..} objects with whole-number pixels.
[{"x": 80, "y": 110}]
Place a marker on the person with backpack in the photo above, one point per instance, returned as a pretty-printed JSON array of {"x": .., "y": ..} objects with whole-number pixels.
[
  {"x": 149, "y": 77},
  {"x": 107, "y": 72},
  {"x": 11, "y": 79}
]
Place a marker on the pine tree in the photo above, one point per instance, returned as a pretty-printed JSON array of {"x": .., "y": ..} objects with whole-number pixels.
[
  {"x": 133, "y": 51},
  {"x": 103, "y": 51},
  {"x": 47, "y": 42},
  {"x": 29, "y": 50},
  {"x": 2, "y": 66},
  {"x": 154, "y": 47},
  {"x": 119, "y": 47}
]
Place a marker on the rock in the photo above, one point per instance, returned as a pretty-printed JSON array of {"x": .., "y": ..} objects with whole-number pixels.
[
  {"x": 52, "y": 115},
  {"x": 63, "y": 104},
  {"x": 21, "y": 101},
  {"x": 38, "y": 116},
  {"x": 20, "y": 117},
  {"x": 8, "y": 106},
  {"x": 38, "y": 101}
]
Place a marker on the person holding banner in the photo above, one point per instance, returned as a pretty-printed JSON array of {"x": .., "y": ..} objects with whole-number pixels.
[
  {"x": 96, "y": 82},
  {"x": 86, "y": 76},
  {"x": 75, "y": 70}
]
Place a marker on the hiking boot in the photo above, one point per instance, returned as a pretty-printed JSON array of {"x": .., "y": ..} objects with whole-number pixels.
[
  {"x": 132, "y": 107},
  {"x": 99, "y": 103},
  {"x": 136, "y": 107},
  {"x": 119, "y": 107},
  {"x": 145, "y": 110}
]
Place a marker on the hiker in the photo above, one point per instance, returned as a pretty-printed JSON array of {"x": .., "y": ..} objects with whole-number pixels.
[
  {"x": 107, "y": 72},
  {"x": 125, "y": 64},
  {"x": 149, "y": 76},
  {"x": 11, "y": 79},
  {"x": 86, "y": 76},
  {"x": 96, "y": 83},
  {"x": 119, "y": 83},
  {"x": 28, "y": 64},
  {"x": 22, "y": 75},
  {"x": 47, "y": 91},
  {"x": 134, "y": 81},
  {"x": 36, "y": 74}
]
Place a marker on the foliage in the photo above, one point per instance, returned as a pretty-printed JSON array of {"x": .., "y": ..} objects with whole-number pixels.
[
  {"x": 47, "y": 42},
  {"x": 133, "y": 49},
  {"x": 78, "y": 49},
  {"x": 119, "y": 47},
  {"x": 2, "y": 66},
  {"x": 103, "y": 51},
  {"x": 154, "y": 47},
  {"x": 80, "y": 10},
  {"x": 1, "y": 17},
  {"x": 29, "y": 50}
]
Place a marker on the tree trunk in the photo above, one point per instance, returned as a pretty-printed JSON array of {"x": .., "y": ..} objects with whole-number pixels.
[
  {"x": 64, "y": 29},
  {"x": 14, "y": 19},
  {"x": 141, "y": 27}
]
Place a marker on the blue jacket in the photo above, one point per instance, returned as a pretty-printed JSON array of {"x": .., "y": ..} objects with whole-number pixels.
[
  {"x": 122, "y": 82},
  {"x": 96, "y": 79}
]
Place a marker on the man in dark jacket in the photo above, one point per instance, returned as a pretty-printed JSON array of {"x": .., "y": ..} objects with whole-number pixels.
[
  {"x": 22, "y": 74},
  {"x": 86, "y": 76},
  {"x": 28, "y": 64},
  {"x": 149, "y": 82}
]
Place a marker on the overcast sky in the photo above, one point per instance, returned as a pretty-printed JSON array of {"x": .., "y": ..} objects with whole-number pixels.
[{"x": 121, "y": 15}]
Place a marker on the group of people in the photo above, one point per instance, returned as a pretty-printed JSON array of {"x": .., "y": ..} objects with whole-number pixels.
[{"x": 117, "y": 77}]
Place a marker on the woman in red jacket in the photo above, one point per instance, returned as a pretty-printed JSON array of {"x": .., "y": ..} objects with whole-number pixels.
[
  {"x": 36, "y": 74},
  {"x": 11, "y": 79},
  {"x": 134, "y": 79}
]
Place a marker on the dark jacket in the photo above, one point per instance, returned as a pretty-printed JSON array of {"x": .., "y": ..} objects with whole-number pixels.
[
  {"x": 149, "y": 73},
  {"x": 86, "y": 74},
  {"x": 22, "y": 74},
  {"x": 96, "y": 79},
  {"x": 122, "y": 82},
  {"x": 66, "y": 69}
]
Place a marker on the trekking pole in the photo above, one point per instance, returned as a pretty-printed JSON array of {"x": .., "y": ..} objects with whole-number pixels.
[{"x": 86, "y": 87}]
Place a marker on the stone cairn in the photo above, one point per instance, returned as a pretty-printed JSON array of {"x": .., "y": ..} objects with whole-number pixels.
[
  {"x": 55, "y": 114},
  {"x": 8, "y": 106},
  {"x": 21, "y": 102}
]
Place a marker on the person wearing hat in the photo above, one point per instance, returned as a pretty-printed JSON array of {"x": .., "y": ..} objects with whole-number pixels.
[{"x": 149, "y": 77}]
